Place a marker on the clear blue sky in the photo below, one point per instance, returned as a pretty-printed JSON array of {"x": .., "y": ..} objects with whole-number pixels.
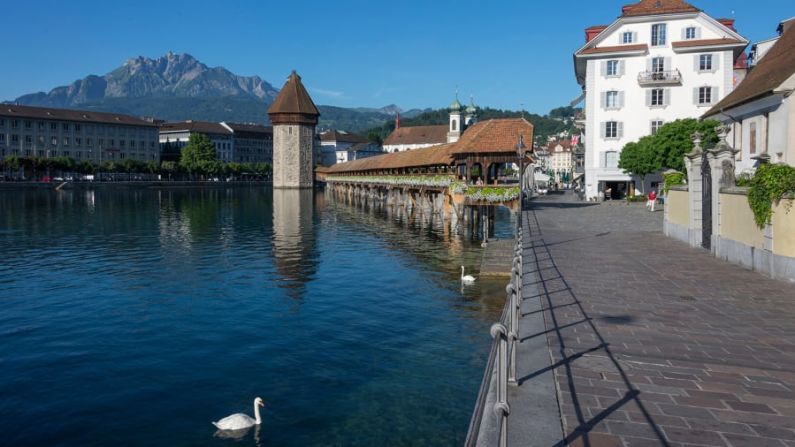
[{"x": 349, "y": 53}]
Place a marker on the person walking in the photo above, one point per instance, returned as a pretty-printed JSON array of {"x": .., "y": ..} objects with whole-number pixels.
[{"x": 652, "y": 201}]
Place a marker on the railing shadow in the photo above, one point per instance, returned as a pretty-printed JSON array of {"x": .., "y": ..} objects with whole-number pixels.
[{"x": 564, "y": 311}]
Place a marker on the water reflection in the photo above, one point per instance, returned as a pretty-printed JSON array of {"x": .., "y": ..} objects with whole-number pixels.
[{"x": 294, "y": 248}]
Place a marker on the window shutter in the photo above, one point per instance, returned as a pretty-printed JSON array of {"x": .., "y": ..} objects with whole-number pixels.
[
  {"x": 714, "y": 97},
  {"x": 648, "y": 98},
  {"x": 698, "y": 32},
  {"x": 715, "y": 62},
  {"x": 620, "y": 99},
  {"x": 684, "y": 33},
  {"x": 695, "y": 95},
  {"x": 648, "y": 64},
  {"x": 621, "y": 67},
  {"x": 635, "y": 37},
  {"x": 667, "y": 62},
  {"x": 667, "y": 97},
  {"x": 696, "y": 62},
  {"x": 603, "y": 97},
  {"x": 603, "y": 66},
  {"x": 602, "y": 129},
  {"x": 620, "y": 126}
]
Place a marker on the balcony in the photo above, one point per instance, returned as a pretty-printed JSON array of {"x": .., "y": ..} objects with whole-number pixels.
[{"x": 670, "y": 77}]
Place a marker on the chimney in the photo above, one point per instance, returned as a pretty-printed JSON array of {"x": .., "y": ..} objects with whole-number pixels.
[
  {"x": 728, "y": 23},
  {"x": 593, "y": 31}
]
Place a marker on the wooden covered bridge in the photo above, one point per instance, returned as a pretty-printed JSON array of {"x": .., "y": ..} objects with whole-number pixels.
[{"x": 478, "y": 170}]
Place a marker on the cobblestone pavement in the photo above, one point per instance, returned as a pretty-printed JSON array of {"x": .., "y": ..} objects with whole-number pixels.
[{"x": 656, "y": 343}]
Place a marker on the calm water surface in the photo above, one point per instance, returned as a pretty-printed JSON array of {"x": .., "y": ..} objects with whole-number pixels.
[{"x": 138, "y": 317}]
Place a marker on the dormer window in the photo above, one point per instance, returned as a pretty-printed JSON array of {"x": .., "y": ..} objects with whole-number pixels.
[{"x": 690, "y": 33}]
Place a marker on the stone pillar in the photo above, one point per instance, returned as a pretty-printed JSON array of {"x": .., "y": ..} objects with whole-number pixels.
[
  {"x": 721, "y": 164},
  {"x": 693, "y": 162}
]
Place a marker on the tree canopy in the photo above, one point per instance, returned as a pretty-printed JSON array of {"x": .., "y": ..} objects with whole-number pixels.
[
  {"x": 666, "y": 149},
  {"x": 198, "y": 153}
]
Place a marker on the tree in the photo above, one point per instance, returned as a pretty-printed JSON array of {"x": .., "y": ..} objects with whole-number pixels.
[
  {"x": 86, "y": 167},
  {"x": 197, "y": 153},
  {"x": 666, "y": 149},
  {"x": 168, "y": 168}
]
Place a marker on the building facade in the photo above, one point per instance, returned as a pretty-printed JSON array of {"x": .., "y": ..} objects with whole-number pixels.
[
  {"x": 251, "y": 143},
  {"x": 294, "y": 117},
  {"x": 337, "y": 146},
  {"x": 174, "y": 136},
  {"x": 761, "y": 111},
  {"x": 561, "y": 161},
  {"x": 82, "y": 135},
  {"x": 660, "y": 61}
]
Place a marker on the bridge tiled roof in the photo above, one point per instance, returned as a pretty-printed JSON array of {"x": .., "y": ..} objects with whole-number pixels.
[{"x": 496, "y": 136}]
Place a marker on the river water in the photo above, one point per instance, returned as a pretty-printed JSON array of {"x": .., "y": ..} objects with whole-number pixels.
[{"x": 138, "y": 317}]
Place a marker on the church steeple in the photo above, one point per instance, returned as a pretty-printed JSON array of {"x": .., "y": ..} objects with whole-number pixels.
[
  {"x": 454, "y": 130},
  {"x": 471, "y": 113}
]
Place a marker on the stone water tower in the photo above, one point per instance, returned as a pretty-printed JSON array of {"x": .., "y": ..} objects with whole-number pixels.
[{"x": 294, "y": 116}]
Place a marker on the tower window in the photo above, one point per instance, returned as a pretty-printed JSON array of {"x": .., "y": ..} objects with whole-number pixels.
[{"x": 453, "y": 125}]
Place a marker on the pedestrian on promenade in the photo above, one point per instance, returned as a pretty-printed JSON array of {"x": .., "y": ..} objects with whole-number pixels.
[{"x": 652, "y": 201}]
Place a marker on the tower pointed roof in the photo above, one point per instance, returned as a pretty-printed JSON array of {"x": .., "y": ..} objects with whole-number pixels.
[
  {"x": 456, "y": 105},
  {"x": 471, "y": 109},
  {"x": 293, "y": 105}
]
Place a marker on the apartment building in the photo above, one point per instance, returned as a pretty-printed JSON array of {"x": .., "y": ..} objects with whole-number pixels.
[
  {"x": 660, "y": 61},
  {"x": 82, "y": 135}
]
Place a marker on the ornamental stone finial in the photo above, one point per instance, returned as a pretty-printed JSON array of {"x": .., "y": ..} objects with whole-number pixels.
[{"x": 697, "y": 138}]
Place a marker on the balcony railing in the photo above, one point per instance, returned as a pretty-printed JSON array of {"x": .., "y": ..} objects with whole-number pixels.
[{"x": 660, "y": 77}]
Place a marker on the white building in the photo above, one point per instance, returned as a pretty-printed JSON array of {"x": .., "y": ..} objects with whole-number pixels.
[
  {"x": 28, "y": 131},
  {"x": 660, "y": 61},
  {"x": 561, "y": 162},
  {"x": 176, "y": 136},
  {"x": 417, "y": 137},
  {"x": 761, "y": 111},
  {"x": 337, "y": 146}
]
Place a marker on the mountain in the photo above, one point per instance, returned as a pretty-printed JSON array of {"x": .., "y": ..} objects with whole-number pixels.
[{"x": 177, "y": 87}]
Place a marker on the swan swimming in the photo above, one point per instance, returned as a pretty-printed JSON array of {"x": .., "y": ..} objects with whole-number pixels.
[
  {"x": 239, "y": 421},
  {"x": 466, "y": 279}
]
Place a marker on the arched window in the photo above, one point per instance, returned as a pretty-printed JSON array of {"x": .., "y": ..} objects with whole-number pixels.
[{"x": 453, "y": 125}]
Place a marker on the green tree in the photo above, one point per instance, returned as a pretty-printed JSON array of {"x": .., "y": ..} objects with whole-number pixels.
[
  {"x": 86, "y": 167},
  {"x": 666, "y": 149},
  {"x": 168, "y": 168},
  {"x": 197, "y": 153}
]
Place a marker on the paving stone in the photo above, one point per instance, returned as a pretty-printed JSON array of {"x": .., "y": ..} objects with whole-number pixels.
[{"x": 654, "y": 342}]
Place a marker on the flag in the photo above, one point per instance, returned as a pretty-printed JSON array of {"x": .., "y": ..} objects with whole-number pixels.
[
  {"x": 575, "y": 140},
  {"x": 397, "y": 120}
]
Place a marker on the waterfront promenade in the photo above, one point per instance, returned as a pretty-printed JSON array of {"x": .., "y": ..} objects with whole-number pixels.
[{"x": 650, "y": 342}]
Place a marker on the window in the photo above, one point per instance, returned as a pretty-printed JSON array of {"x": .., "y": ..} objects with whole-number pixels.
[
  {"x": 705, "y": 62},
  {"x": 121, "y": 143},
  {"x": 40, "y": 124},
  {"x": 612, "y": 68},
  {"x": 627, "y": 37},
  {"x": 655, "y": 126},
  {"x": 658, "y": 64},
  {"x": 14, "y": 140},
  {"x": 658, "y": 34},
  {"x": 657, "y": 97},
  {"x": 88, "y": 142},
  {"x": 65, "y": 126},
  {"x": 704, "y": 96},
  {"x": 53, "y": 126},
  {"x": 77, "y": 128},
  {"x": 611, "y": 100},
  {"x": 611, "y": 159},
  {"x": 2, "y": 138},
  {"x": 752, "y": 138},
  {"x": 41, "y": 140},
  {"x": 66, "y": 141},
  {"x": 690, "y": 32},
  {"x": 2, "y": 123},
  {"x": 54, "y": 141},
  {"x": 28, "y": 124},
  {"x": 78, "y": 141},
  {"x": 611, "y": 129},
  {"x": 14, "y": 124},
  {"x": 28, "y": 140}
]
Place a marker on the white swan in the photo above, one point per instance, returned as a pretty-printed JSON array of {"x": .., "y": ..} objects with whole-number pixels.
[
  {"x": 466, "y": 279},
  {"x": 239, "y": 421}
]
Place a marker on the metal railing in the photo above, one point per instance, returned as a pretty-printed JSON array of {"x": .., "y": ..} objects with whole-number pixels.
[
  {"x": 505, "y": 334},
  {"x": 660, "y": 77}
]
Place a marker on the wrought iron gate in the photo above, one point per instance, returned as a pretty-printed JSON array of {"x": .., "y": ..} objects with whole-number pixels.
[{"x": 706, "y": 202}]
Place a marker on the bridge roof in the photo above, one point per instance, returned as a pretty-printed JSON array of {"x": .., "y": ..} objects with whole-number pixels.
[{"x": 496, "y": 136}]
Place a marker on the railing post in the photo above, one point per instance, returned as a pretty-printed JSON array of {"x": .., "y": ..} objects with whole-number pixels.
[
  {"x": 501, "y": 407},
  {"x": 513, "y": 328}
]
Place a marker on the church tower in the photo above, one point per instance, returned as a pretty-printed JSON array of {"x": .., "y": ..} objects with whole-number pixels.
[
  {"x": 471, "y": 113},
  {"x": 294, "y": 116},
  {"x": 454, "y": 130}
]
